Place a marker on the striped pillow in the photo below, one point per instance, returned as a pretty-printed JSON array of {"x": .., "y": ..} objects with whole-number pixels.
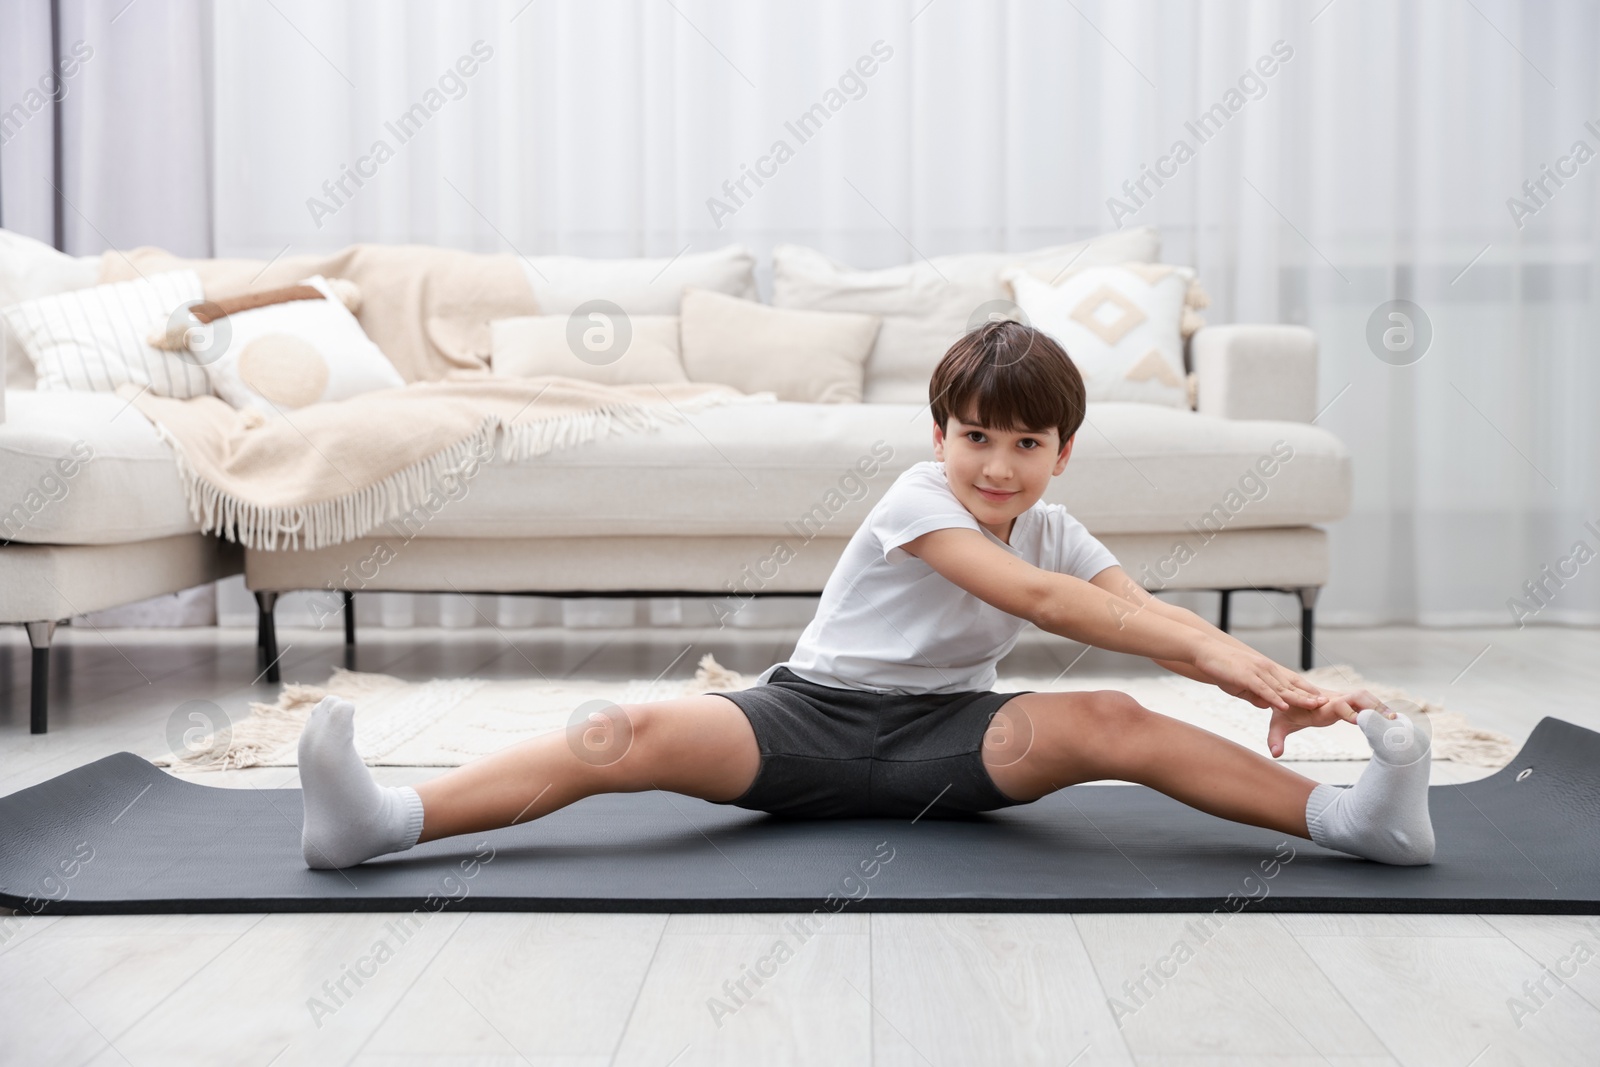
[{"x": 93, "y": 340}]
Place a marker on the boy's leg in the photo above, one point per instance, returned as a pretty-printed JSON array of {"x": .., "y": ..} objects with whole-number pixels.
[
  {"x": 702, "y": 746},
  {"x": 1041, "y": 742}
]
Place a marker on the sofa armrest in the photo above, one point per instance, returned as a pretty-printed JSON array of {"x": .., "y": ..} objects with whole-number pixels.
[{"x": 1251, "y": 371}]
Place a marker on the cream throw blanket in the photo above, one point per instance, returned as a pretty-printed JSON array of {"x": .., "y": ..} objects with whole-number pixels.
[
  {"x": 427, "y": 308},
  {"x": 330, "y": 473}
]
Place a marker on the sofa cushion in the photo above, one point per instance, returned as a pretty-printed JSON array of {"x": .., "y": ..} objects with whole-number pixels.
[
  {"x": 29, "y": 269},
  {"x": 1121, "y": 324},
  {"x": 927, "y": 304},
  {"x": 85, "y": 469},
  {"x": 563, "y": 284},
  {"x": 807, "y": 356},
  {"x": 780, "y": 470},
  {"x": 786, "y": 468},
  {"x": 296, "y": 352},
  {"x": 530, "y": 346},
  {"x": 97, "y": 339}
]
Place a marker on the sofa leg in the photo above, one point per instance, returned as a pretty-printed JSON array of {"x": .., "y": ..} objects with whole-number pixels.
[
  {"x": 1308, "y": 606},
  {"x": 1222, "y": 613},
  {"x": 267, "y": 635},
  {"x": 39, "y": 636},
  {"x": 349, "y": 630}
]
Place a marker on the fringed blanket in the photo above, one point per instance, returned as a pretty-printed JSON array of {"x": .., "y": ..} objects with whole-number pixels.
[
  {"x": 427, "y": 308},
  {"x": 329, "y": 473}
]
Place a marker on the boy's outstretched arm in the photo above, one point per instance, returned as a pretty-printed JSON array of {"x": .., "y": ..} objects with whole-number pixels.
[
  {"x": 1081, "y": 611},
  {"x": 1337, "y": 706},
  {"x": 1115, "y": 580}
]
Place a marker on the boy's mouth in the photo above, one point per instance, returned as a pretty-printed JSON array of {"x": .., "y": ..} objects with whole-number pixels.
[{"x": 997, "y": 495}]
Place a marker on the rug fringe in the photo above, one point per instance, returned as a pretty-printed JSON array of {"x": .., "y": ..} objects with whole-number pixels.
[
  {"x": 1452, "y": 737},
  {"x": 272, "y": 727},
  {"x": 711, "y": 677}
]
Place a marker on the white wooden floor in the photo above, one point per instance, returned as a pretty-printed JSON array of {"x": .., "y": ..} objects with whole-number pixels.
[{"x": 583, "y": 989}]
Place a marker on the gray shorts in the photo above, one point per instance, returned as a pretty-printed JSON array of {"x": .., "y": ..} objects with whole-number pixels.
[{"x": 830, "y": 753}]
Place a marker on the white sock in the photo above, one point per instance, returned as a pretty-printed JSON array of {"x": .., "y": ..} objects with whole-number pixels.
[
  {"x": 1384, "y": 816},
  {"x": 348, "y": 817}
]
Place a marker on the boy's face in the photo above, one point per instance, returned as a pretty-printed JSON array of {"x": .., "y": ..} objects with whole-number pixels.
[{"x": 998, "y": 474}]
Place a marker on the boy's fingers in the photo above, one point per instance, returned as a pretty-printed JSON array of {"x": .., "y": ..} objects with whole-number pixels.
[
  {"x": 1266, "y": 689},
  {"x": 1309, "y": 701},
  {"x": 1275, "y": 737},
  {"x": 1306, "y": 687},
  {"x": 1245, "y": 693},
  {"x": 1290, "y": 686},
  {"x": 1370, "y": 701},
  {"x": 1346, "y": 705},
  {"x": 1362, "y": 698},
  {"x": 1292, "y": 682}
]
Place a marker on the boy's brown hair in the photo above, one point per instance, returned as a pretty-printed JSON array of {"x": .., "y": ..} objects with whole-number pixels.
[{"x": 1019, "y": 377}]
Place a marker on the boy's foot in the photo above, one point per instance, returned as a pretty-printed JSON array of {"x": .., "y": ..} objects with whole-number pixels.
[
  {"x": 1384, "y": 816},
  {"x": 348, "y": 817}
]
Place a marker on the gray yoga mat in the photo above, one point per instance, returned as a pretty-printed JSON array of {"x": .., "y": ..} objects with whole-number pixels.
[{"x": 119, "y": 835}]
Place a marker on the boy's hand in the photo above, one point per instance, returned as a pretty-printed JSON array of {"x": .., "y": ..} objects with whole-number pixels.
[
  {"x": 1245, "y": 673},
  {"x": 1337, "y": 706}
]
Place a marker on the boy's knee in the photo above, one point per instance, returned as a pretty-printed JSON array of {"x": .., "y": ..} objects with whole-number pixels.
[
  {"x": 651, "y": 748},
  {"x": 613, "y": 739},
  {"x": 1109, "y": 725},
  {"x": 1092, "y": 727},
  {"x": 1115, "y": 709}
]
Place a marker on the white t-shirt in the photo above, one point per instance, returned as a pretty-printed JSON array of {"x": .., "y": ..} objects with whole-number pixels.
[{"x": 890, "y": 623}]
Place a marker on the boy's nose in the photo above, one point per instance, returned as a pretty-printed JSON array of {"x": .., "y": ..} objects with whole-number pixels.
[{"x": 999, "y": 475}]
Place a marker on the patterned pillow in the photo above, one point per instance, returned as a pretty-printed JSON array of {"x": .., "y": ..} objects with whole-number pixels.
[
  {"x": 287, "y": 348},
  {"x": 1123, "y": 326},
  {"x": 927, "y": 304},
  {"x": 94, "y": 340}
]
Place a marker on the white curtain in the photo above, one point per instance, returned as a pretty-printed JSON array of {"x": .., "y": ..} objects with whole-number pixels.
[
  {"x": 135, "y": 93},
  {"x": 28, "y": 86},
  {"x": 1355, "y": 153}
]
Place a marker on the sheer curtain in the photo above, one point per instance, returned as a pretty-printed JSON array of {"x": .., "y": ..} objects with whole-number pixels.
[{"x": 1339, "y": 156}]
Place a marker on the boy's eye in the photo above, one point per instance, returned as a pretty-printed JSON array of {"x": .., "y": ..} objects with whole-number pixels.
[{"x": 1032, "y": 443}]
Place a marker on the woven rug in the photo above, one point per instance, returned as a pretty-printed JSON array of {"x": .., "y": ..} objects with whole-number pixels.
[{"x": 450, "y": 721}]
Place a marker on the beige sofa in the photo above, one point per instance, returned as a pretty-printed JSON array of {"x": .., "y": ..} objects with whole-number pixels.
[
  {"x": 743, "y": 501},
  {"x": 760, "y": 500}
]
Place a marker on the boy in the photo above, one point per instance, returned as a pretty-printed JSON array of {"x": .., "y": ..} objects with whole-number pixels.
[{"x": 885, "y": 707}]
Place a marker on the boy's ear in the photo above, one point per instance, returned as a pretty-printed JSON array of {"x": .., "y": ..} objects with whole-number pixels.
[
  {"x": 938, "y": 442},
  {"x": 1066, "y": 454}
]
